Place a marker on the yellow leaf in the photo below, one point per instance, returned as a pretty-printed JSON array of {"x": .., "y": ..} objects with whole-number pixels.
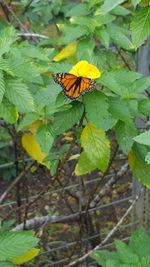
[
  {"x": 29, "y": 255},
  {"x": 84, "y": 69},
  {"x": 67, "y": 51},
  {"x": 33, "y": 149},
  {"x": 76, "y": 156},
  {"x": 33, "y": 127}
]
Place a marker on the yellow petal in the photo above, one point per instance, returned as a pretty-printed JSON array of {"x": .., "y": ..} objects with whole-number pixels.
[
  {"x": 67, "y": 51},
  {"x": 29, "y": 255},
  {"x": 33, "y": 149},
  {"x": 84, "y": 69}
]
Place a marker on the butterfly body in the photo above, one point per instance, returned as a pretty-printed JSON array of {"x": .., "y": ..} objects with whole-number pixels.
[{"x": 74, "y": 86}]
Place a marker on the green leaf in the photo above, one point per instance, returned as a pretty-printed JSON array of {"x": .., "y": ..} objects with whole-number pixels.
[
  {"x": 7, "y": 37},
  {"x": 125, "y": 253},
  {"x": 14, "y": 244},
  {"x": 120, "y": 11},
  {"x": 4, "y": 65},
  {"x": 47, "y": 96},
  {"x": 144, "y": 107},
  {"x": 19, "y": 95},
  {"x": 78, "y": 10},
  {"x": 135, "y": 2},
  {"x": 96, "y": 106},
  {"x": 96, "y": 146},
  {"x": 8, "y": 112},
  {"x": 143, "y": 138},
  {"x": 84, "y": 165},
  {"x": 44, "y": 137},
  {"x": 125, "y": 131},
  {"x": 140, "y": 26},
  {"x": 66, "y": 119},
  {"x": 119, "y": 109},
  {"x": 7, "y": 264},
  {"x": 72, "y": 32},
  {"x": 27, "y": 120},
  {"x": 23, "y": 68},
  {"x": 139, "y": 167},
  {"x": 140, "y": 242},
  {"x": 103, "y": 36},
  {"x": 2, "y": 87},
  {"x": 85, "y": 46},
  {"x": 110, "y": 4},
  {"x": 145, "y": 261},
  {"x": 119, "y": 80},
  {"x": 118, "y": 36},
  {"x": 101, "y": 256},
  {"x": 147, "y": 158}
]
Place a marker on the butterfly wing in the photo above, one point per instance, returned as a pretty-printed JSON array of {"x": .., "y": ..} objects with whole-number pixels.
[{"x": 72, "y": 85}]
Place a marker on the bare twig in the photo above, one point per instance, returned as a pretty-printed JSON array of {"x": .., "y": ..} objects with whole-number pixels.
[
  {"x": 18, "y": 178},
  {"x": 109, "y": 234},
  {"x": 30, "y": 34},
  {"x": 108, "y": 185}
]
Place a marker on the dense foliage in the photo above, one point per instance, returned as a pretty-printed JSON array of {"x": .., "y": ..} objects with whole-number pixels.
[{"x": 35, "y": 113}]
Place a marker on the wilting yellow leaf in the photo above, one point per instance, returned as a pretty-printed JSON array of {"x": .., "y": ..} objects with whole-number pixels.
[
  {"x": 33, "y": 127},
  {"x": 84, "y": 69},
  {"x": 29, "y": 255},
  {"x": 67, "y": 51},
  {"x": 33, "y": 149},
  {"x": 76, "y": 156}
]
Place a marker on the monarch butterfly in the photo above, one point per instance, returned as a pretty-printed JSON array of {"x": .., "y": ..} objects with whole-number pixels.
[{"x": 74, "y": 86}]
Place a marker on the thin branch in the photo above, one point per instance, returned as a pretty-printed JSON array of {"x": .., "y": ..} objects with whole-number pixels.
[
  {"x": 110, "y": 233},
  {"x": 30, "y": 34},
  {"x": 18, "y": 178},
  {"x": 108, "y": 185}
]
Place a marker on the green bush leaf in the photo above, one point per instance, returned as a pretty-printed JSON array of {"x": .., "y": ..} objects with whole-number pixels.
[
  {"x": 143, "y": 138},
  {"x": 72, "y": 32},
  {"x": 110, "y": 4},
  {"x": 78, "y": 10},
  {"x": 119, "y": 109},
  {"x": 45, "y": 137},
  {"x": 140, "y": 26},
  {"x": 101, "y": 256},
  {"x": 125, "y": 131},
  {"x": 96, "y": 145},
  {"x": 119, "y": 80},
  {"x": 7, "y": 37},
  {"x": 27, "y": 120},
  {"x": 47, "y": 96},
  {"x": 2, "y": 86},
  {"x": 135, "y": 2},
  {"x": 125, "y": 254},
  {"x": 8, "y": 112},
  {"x": 19, "y": 95},
  {"x": 14, "y": 244},
  {"x": 66, "y": 119},
  {"x": 96, "y": 106},
  {"x": 7, "y": 264},
  {"x": 138, "y": 165},
  {"x": 118, "y": 36},
  {"x": 84, "y": 165},
  {"x": 144, "y": 107},
  {"x": 140, "y": 242},
  {"x": 103, "y": 36},
  {"x": 85, "y": 46}
]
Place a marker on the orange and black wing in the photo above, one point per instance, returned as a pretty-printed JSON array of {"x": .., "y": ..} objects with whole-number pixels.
[{"x": 72, "y": 85}]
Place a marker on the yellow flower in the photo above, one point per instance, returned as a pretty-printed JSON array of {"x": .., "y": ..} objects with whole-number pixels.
[
  {"x": 84, "y": 69},
  {"x": 67, "y": 51}
]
